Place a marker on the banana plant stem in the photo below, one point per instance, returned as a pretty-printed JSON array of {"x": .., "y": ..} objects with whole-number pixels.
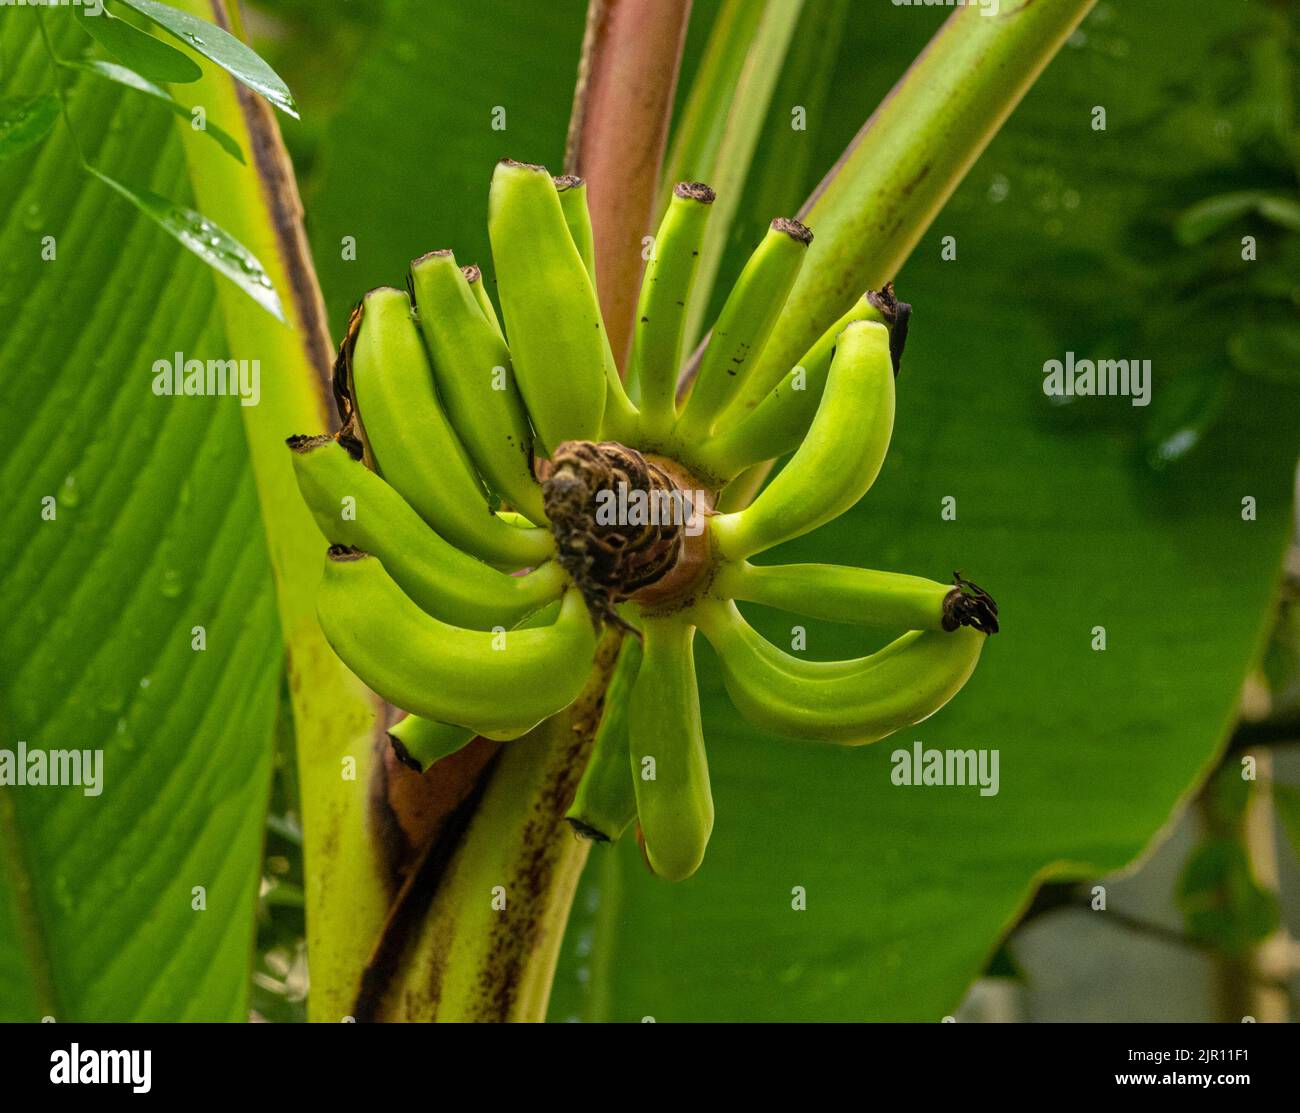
[
  {"x": 617, "y": 135},
  {"x": 484, "y": 945}
]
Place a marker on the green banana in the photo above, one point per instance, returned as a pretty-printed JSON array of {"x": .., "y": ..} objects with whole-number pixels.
[
  {"x": 860, "y": 595},
  {"x": 474, "y": 276},
  {"x": 620, "y": 417},
  {"x": 414, "y": 446},
  {"x": 418, "y": 743},
  {"x": 675, "y": 808},
  {"x": 743, "y": 326},
  {"x": 777, "y": 424},
  {"x": 471, "y": 366},
  {"x": 846, "y": 702},
  {"x": 605, "y": 802},
  {"x": 439, "y": 578},
  {"x": 573, "y": 201},
  {"x": 490, "y": 682},
  {"x": 838, "y": 460},
  {"x": 661, "y": 311},
  {"x": 557, "y": 338},
  {"x": 880, "y": 305}
]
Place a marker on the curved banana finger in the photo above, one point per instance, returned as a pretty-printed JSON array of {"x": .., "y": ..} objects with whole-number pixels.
[
  {"x": 661, "y": 310},
  {"x": 847, "y": 702},
  {"x": 669, "y": 767},
  {"x": 771, "y": 426},
  {"x": 605, "y": 802},
  {"x": 573, "y": 201},
  {"x": 743, "y": 326},
  {"x": 413, "y": 444},
  {"x": 618, "y": 420},
  {"x": 860, "y": 595},
  {"x": 552, "y": 319},
  {"x": 356, "y": 508},
  {"x": 471, "y": 366},
  {"x": 490, "y": 681},
  {"x": 474, "y": 276},
  {"x": 837, "y": 462}
]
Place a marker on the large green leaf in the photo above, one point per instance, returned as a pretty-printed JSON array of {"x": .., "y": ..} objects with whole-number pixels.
[
  {"x": 156, "y": 531},
  {"x": 908, "y": 889}
]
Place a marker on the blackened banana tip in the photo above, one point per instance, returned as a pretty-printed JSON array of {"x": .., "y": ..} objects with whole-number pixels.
[
  {"x": 343, "y": 554},
  {"x": 801, "y": 233},
  {"x": 569, "y": 181},
  {"x": 695, "y": 191},
  {"x": 402, "y": 754},
  {"x": 968, "y": 604},
  {"x": 897, "y": 314},
  {"x": 302, "y": 443},
  {"x": 472, "y": 274},
  {"x": 441, "y": 253},
  {"x": 586, "y": 831},
  {"x": 515, "y": 164}
]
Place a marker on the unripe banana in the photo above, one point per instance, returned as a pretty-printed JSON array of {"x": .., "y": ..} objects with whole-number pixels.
[
  {"x": 847, "y": 702},
  {"x": 487, "y": 681},
  {"x": 474, "y": 276},
  {"x": 418, "y": 743},
  {"x": 838, "y": 460},
  {"x": 354, "y": 507},
  {"x": 413, "y": 444},
  {"x": 661, "y": 311},
  {"x": 880, "y": 305},
  {"x": 675, "y": 808},
  {"x": 573, "y": 201},
  {"x": 860, "y": 595},
  {"x": 605, "y": 802},
  {"x": 743, "y": 326},
  {"x": 619, "y": 420},
  {"x": 471, "y": 366},
  {"x": 552, "y": 319},
  {"x": 753, "y": 431}
]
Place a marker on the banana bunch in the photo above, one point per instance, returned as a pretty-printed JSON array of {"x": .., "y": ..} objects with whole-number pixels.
[{"x": 498, "y": 494}]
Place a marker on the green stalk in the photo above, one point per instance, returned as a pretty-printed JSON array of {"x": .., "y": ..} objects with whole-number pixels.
[{"x": 477, "y": 934}]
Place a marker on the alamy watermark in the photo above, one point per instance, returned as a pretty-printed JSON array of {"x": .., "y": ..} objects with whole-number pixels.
[
  {"x": 216, "y": 378},
  {"x": 986, "y": 7},
  {"x": 1103, "y": 378},
  {"x": 919, "y": 766},
  {"x": 87, "y": 1066},
  {"x": 628, "y": 507},
  {"x": 92, "y": 7},
  {"x": 25, "y": 767}
]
